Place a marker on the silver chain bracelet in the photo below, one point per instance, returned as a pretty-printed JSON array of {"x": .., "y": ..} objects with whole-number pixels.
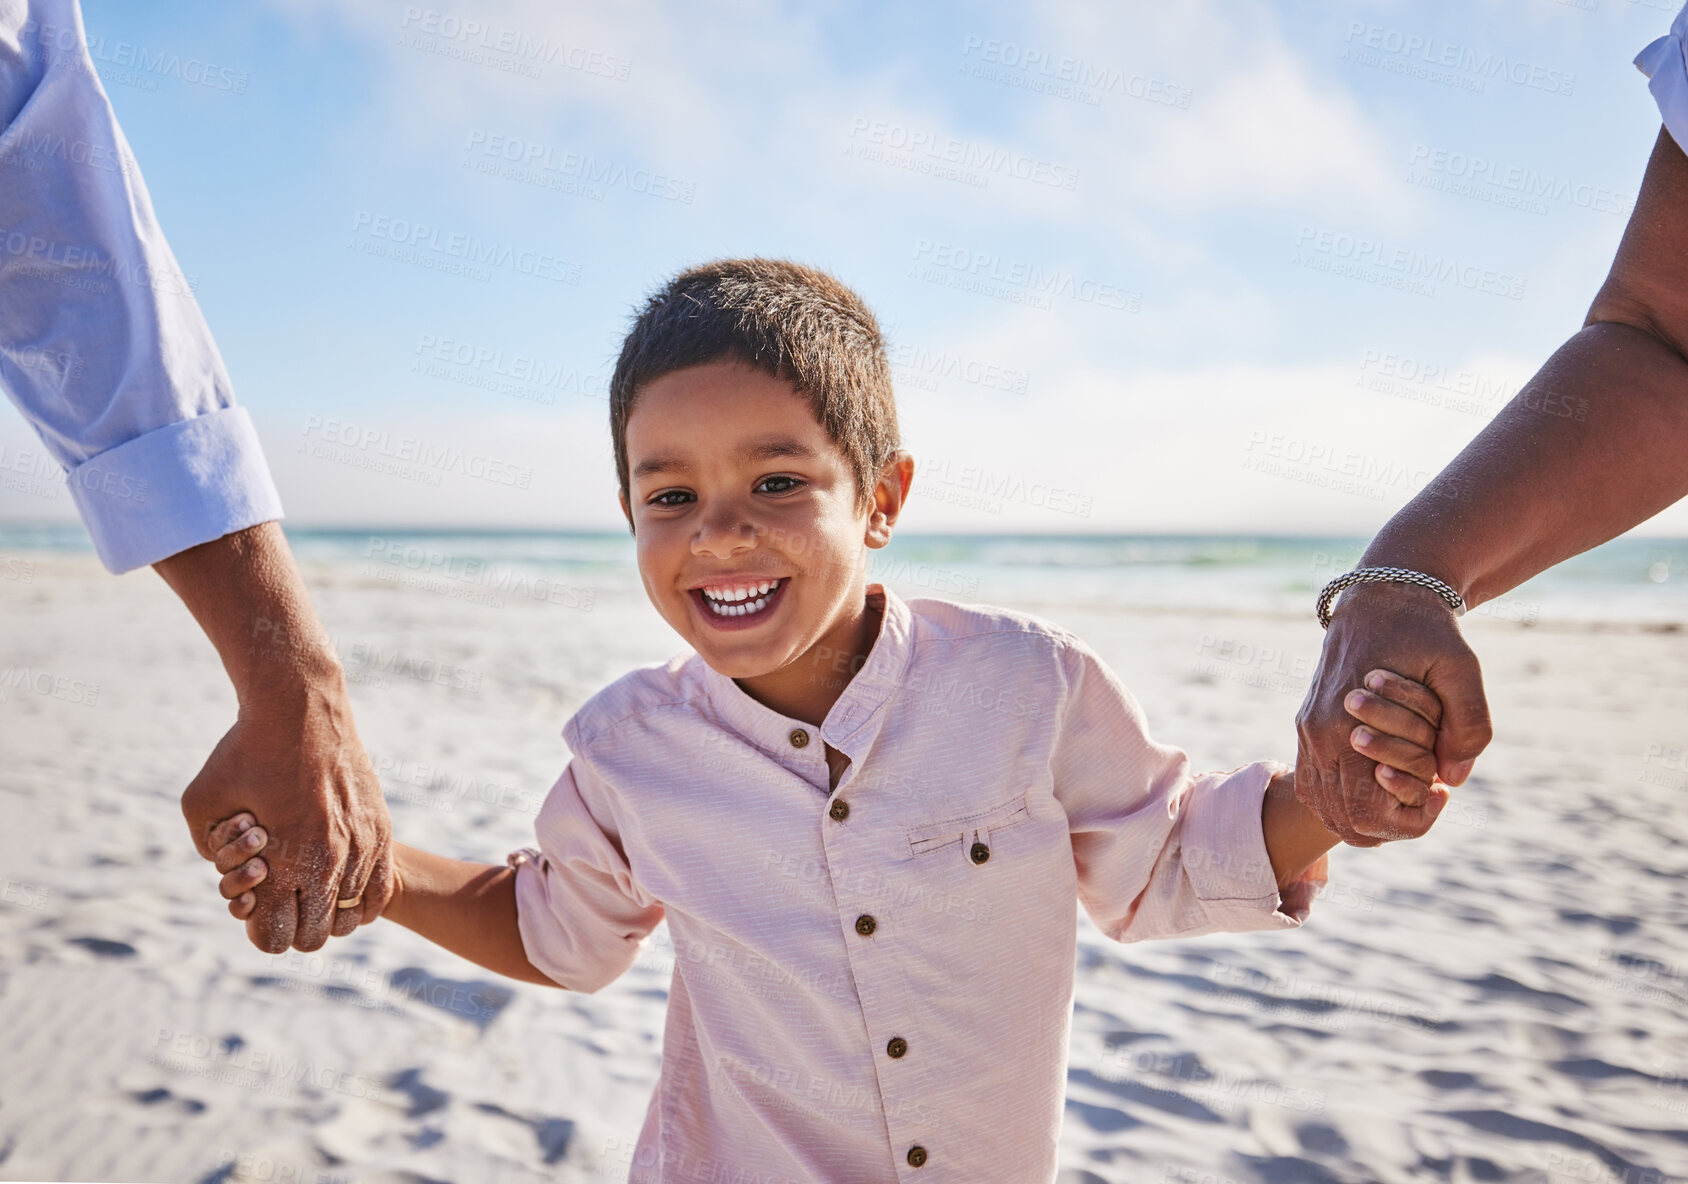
[{"x": 1386, "y": 575}]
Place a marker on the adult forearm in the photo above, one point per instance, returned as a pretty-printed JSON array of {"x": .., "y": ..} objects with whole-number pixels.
[
  {"x": 247, "y": 595},
  {"x": 293, "y": 756},
  {"x": 1592, "y": 445},
  {"x": 467, "y": 908}
]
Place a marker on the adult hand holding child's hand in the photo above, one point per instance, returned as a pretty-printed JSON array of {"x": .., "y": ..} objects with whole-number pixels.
[
  {"x": 1405, "y": 629},
  {"x": 327, "y": 822},
  {"x": 293, "y": 753}
]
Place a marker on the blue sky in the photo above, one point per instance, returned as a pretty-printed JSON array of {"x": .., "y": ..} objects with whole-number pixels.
[{"x": 1145, "y": 267}]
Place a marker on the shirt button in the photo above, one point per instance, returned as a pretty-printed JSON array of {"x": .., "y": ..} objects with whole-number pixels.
[
  {"x": 980, "y": 853},
  {"x": 865, "y": 925},
  {"x": 897, "y": 1047},
  {"x": 839, "y": 810},
  {"x": 916, "y": 1156},
  {"x": 799, "y": 738}
]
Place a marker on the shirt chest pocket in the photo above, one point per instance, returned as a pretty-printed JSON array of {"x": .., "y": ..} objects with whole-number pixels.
[{"x": 969, "y": 836}]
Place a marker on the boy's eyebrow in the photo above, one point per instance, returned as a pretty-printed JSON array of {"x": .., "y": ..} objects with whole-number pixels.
[{"x": 767, "y": 448}]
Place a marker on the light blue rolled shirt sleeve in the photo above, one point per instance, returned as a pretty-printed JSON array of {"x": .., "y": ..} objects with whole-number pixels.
[
  {"x": 102, "y": 345},
  {"x": 1667, "y": 77}
]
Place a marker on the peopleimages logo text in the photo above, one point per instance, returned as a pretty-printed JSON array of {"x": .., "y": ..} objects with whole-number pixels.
[
  {"x": 1407, "y": 261},
  {"x": 419, "y": 236},
  {"x": 1527, "y": 182},
  {"x": 1478, "y": 64},
  {"x": 163, "y": 63},
  {"x": 381, "y": 443}
]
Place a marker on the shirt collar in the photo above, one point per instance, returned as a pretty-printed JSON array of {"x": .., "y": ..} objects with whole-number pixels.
[{"x": 854, "y": 720}]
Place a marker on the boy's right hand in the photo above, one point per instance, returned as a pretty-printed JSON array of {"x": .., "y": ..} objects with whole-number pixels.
[{"x": 237, "y": 842}]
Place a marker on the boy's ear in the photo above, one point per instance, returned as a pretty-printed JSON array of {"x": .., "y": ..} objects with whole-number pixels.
[
  {"x": 889, "y": 497},
  {"x": 621, "y": 496}
]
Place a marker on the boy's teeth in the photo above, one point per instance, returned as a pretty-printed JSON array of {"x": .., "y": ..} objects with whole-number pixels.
[
  {"x": 732, "y": 602},
  {"x": 743, "y": 591}
]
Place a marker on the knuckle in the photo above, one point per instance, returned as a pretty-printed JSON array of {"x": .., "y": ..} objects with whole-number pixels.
[{"x": 1373, "y": 812}]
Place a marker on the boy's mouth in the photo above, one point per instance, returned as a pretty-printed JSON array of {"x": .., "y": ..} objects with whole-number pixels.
[{"x": 740, "y": 605}]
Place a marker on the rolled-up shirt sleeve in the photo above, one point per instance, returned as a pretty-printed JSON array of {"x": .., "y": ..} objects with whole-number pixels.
[
  {"x": 102, "y": 344},
  {"x": 581, "y": 914},
  {"x": 1159, "y": 851},
  {"x": 1665, "y": 63}
]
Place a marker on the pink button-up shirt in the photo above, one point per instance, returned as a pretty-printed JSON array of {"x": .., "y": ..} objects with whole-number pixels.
[{"x": 875, "y": 982}]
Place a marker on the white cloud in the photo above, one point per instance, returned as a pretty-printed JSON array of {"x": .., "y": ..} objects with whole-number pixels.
[
  {"x": 1262, "y": 127},
  {"x": 756, "y": 104}
]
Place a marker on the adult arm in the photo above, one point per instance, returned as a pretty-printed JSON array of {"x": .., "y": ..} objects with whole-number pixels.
[
  {"x": 1592, "y": 445},
  {"x": 102, "y": 345},
  {"x": 104, "y": 350},
  {"x": 293, "y": 757}
]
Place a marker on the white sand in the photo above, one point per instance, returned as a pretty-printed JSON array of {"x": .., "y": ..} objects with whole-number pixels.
[{"x": 1502, "y": 1001}]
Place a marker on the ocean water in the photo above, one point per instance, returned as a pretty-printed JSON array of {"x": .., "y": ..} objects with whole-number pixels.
[{"x": 1631, "y": 579}]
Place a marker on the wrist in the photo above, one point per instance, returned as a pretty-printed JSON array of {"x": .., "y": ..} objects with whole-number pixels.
[
  {"x": 1426, "y": 556},
  {"x": 289, "y": 689},
  {"x": 1295, "y": 836},
  {"x": 281, "y": 656},
  {"x": 246, "y": 593},
  {"x": 402, "y": 868},
  {"x": 1390, "y": 598}
]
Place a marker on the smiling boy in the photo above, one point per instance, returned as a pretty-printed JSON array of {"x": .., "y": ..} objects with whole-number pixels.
[
  {"x": 766, "y": 577},
  {"x": 867, "y": 821}
]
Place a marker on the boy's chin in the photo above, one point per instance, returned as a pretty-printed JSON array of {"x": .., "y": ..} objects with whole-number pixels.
[
  {"x": 737, "y": 671},
  {"x": 740, "y": 659},
  {"x": 736, "y": 665},
  {"x": 737, "y": 654}
]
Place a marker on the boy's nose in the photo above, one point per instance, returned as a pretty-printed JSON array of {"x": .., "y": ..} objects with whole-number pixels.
[{"x": 723, "y": 536}]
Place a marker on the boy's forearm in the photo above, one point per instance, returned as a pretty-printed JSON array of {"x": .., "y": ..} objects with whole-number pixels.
[
  {"x": 467, "y": 908},
  {"x": 1295, "y": 837}
]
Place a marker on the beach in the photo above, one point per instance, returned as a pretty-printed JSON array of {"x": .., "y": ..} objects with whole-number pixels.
[{"x": 1502, "y": 1000}]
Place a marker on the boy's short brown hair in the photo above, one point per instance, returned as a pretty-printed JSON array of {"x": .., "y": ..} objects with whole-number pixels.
[{"x": 794, "y": 322}]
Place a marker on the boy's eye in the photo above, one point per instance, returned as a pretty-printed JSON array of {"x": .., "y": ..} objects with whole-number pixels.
[{"x": 790, "y": 483}]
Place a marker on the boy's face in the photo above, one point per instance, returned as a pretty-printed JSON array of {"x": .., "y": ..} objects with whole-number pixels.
[{"x": 735, "y": 486}]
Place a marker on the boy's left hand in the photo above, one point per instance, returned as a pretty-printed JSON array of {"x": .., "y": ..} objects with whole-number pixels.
[{"x": 1398, "y": 721}]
